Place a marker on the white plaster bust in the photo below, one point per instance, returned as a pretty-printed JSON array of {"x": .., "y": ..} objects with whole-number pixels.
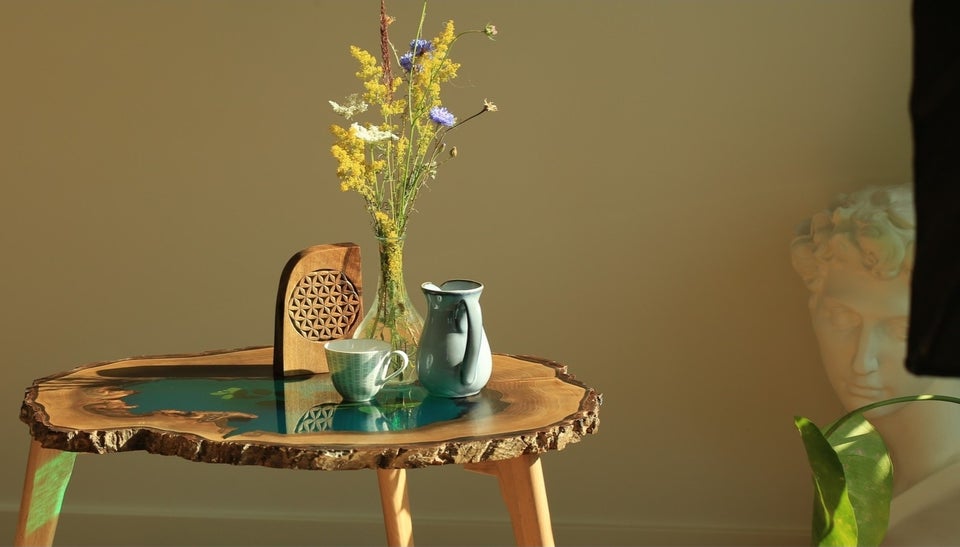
[{"x": 856, "y": 258}]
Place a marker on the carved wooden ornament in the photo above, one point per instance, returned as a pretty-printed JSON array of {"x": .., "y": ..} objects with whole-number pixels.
[{"x": 319, "y": 299}]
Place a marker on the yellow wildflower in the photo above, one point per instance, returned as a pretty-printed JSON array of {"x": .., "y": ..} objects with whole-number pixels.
[
  {"x": 435, "y": 68},
  {"x": 354, "y": 171},
  {"x": 447, "y": 69},
  {"x": 369, "y": 69},
  {"x": 386, "y": 227}
]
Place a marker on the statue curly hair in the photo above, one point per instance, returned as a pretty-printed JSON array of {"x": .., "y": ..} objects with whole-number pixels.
[{"x": 873, "y": 228}]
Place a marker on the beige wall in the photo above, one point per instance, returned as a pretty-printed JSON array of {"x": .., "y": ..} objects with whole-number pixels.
[{"x": 629, "y": 209}]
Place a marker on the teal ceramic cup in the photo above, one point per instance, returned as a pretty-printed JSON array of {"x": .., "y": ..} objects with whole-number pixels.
[{"x": 358, "y": 367}]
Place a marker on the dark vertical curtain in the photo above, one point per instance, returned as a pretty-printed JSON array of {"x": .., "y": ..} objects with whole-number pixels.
[{"x": 933, "y": 345}]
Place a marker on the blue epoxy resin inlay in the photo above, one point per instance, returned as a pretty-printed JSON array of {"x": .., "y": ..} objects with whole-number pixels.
[{"x": 242, "y": 404}]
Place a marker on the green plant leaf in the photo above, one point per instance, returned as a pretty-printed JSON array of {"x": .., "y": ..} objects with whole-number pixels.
[
  {"x": 834, "y": 520},
  {"x": 853, "y": 475},
  {"x": 869, "y": 473}
]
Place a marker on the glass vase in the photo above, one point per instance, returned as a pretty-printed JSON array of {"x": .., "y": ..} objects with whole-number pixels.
[{"x": 392, "y": 316}]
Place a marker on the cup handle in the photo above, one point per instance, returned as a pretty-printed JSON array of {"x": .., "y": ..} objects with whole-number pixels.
[{"x": 386, "y": 359}]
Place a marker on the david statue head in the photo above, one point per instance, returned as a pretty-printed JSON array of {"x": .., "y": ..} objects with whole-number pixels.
[{"x": 856, "y": 258}]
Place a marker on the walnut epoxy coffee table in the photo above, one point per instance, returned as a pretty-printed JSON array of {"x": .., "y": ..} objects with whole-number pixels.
[{"x": 226, "y": 407}]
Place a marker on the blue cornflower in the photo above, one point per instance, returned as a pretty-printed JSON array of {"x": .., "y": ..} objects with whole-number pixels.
[
  {"x": 442, "y": 116},
  {"x": 420, "y": 46},
  {"x": 406, "y": 61}
]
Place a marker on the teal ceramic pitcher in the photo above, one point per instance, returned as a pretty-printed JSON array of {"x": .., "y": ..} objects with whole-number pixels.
[{"x": 453, "y": 359}]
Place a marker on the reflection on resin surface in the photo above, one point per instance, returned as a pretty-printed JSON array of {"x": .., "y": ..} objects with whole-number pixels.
[
  {"x": 245, "y": 404},
  {"x": 383, "y": 416}
]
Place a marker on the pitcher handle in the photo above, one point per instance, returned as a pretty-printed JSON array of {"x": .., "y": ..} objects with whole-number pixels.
[{"x": 468, "y": 369}]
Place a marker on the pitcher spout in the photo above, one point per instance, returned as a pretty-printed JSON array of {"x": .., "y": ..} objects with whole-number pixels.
[{"x": 429, "y": 287}]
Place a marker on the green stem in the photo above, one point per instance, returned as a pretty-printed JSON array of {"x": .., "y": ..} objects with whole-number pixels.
[
  {"x": 896, "y": 400},
  {"x": 458, "y": 124}
]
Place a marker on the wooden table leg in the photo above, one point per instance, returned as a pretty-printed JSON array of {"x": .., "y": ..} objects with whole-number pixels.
[
  {"x": 525, "y": 495},
  {"x": 396, "y": 507},
  {"x": 48, "y": 473}
]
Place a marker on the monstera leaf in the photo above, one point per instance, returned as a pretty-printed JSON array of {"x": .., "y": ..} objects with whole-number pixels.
[{"x": 853, "y": 482}]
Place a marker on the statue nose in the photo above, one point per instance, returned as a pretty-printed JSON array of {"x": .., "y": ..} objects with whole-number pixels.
[{"x": 866, "y": 359}]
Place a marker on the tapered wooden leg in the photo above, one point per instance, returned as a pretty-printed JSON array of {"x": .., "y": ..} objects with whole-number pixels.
[
  {"x": 525, "y": 495},
  {"x": 396, "y": 507},
  {"x": 48, "y": 473}
]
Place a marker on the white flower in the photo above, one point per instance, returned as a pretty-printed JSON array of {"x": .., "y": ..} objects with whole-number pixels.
[
  {"x": 371, "y": 134},
  {"x": 354, "y": 106}
]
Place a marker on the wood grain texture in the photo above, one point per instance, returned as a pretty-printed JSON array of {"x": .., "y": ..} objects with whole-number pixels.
[
  {"x": 320, "y": 298},
  {"x": 84, "y": 410}
]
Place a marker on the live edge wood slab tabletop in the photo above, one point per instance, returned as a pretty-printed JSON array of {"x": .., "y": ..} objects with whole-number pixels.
[{"x": 228, "y": 407}]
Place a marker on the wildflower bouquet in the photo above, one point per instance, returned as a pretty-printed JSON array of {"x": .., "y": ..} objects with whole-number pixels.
[{"x": 387, "y": 161}]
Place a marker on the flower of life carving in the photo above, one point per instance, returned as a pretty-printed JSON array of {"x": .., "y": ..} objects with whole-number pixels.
[
  {"x": 318, "y": 418},
  {"x": 324, "y": 305}
]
